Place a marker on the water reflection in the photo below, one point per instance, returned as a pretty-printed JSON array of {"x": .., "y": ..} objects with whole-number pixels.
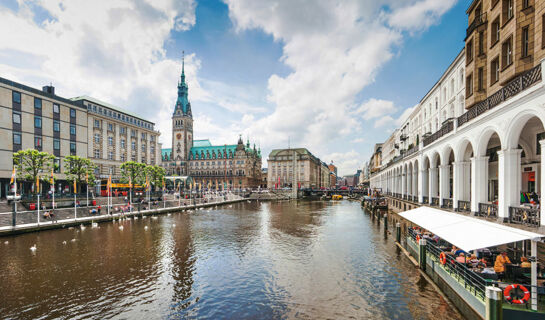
[{"x": 252, "y": 260}]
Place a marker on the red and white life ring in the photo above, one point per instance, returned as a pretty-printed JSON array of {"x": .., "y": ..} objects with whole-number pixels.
[{"x": 523, "y": 300}]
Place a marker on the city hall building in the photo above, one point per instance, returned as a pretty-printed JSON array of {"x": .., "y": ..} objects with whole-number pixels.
[
  {"x": 474, "y": 142},
  {"x": 215, "y": 166}
]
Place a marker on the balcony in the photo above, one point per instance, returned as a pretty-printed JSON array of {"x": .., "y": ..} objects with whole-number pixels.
[
  {"x": 514, "y": 87},
  {"x": 477, "y": 22},
  {"x": 447, "y": 127},
  {"x": 525, "y": 216}
]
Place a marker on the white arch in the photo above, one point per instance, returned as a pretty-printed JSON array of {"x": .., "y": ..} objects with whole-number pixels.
[
  {"x": 484, "y": 138},
  {"x": 517, "y": 124}
]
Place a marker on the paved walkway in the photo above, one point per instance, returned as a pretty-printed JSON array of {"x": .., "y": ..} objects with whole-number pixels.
[{"x": 29, "y": 221}]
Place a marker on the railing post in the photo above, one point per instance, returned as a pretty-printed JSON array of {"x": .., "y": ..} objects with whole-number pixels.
[
  {"x": 422, "y": 254},
  {"x": 385, "y": 222},
  {"x": 493, "y": 301},
  {"x": 398, "y": 233}
]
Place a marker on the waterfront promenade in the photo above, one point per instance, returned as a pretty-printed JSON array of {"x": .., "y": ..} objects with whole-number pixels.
[{"x": 34, "y": 220}]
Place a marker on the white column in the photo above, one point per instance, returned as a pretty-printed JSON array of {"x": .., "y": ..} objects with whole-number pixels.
[
  {"x": 403, "y": 183},
  {"x": 479, "y": 181},
  {"x": 542, "y": 167},
  {"x": 421, "y": 185},
  {"x": 458, "y": 183},
  {"x": 409, "y": 184},
  {"x": 466, "y": 184},
  {"x": 444, "y": 177},
  {"x": 433, "y": 183},
  {"x": 509, "y": 181},
  {"x": 415, "y": 182}
]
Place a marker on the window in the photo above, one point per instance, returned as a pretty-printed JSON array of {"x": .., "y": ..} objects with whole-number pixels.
[
  {"x": 73, "y": 129},
  {"x": 37, "y": 142},
  {"x": 495, "y": 70},
  {"x": 16, "y": 117},
  {"x": 56, "y": 144},
  {"x": 480, "y": 79},
  {"x": 56, "y": 126},
  {"x": 133, "y": 133},
  {"x": 56, "y": 108},
  {"x": 37, "y": 122},
  {"x": 507, "y": 53},
  {"x": 525, "y": 4},
  {"x": 495, "y": 34},
  {"x": 110, "y": 127},
  {"x": 143, "y": 148},
  {"x": 525, "y": 42},
  {"x": 97, "y": 153},
  {"x": 133, "y": 158},
  {"x": 152, "y": 149},
  {"x": 143, "y": 135},
  {"x": 152, "y": 138},
  {"x": 16, "y": 138},
  {"x": 72, "y": 147},
  {"x": 123, "y": 130},
  {"x": 123, "y": 158},
  {"x": 507, "y": 10},
  {"x": 110, "y": 141},
  {"x": 110, "y": 155},
  {"x": 97, "y": 138},
  {"x": 123, "y": 143},
  {"x": 97, "y": 123},
  {"x": 16, "y": 97},
  {"x": 481, "y": 43},
  {"x": 37, "y": 103},
  {"x": 469, "y": 85},
  {"x": 133, "y": 146},
  {"x": 469, "y": 51}
]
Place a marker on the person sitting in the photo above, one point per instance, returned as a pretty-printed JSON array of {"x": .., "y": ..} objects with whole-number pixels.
[
  {"x": 524, "y": 263},
  {"x": 472, "y": 259},
  {"x": 501, "y": 260},
  {"x": 461, "y": 258}
]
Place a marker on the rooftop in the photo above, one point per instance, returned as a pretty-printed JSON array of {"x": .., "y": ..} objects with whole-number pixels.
[{"x": 109, "y": 105}]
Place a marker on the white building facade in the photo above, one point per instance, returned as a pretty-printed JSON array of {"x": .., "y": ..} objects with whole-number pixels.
[{"x": 481, "y": 160}]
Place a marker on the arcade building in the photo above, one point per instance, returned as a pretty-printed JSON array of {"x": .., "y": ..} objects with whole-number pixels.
[{"x": 212, "y": 166}]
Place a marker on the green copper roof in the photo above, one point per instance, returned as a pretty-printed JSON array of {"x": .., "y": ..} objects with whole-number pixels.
[
  {"x": 202, "y": 143},
  {"x": 182, "y": 102}
]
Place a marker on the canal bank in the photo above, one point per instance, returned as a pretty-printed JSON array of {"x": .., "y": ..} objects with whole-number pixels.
[
  {"x": 105, "y": 217},
  {"x": 472, "y": 295}
]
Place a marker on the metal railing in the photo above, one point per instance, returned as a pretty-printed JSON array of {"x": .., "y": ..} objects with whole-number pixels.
[
  {"x": 447, "y": 203},
  {"x": 447, "y": 127},
  {"x": 525, "y": 216},
  {"x": 488, "y": 210},
  {"x": 477, "y": 21},
  {"x": 425, "y": 199},
  {"x": 464, "y": 205},
  {"x": 472, "y": 282},
  {"x": 434, "y": 201},
  {"x": 515, "y": 86}
]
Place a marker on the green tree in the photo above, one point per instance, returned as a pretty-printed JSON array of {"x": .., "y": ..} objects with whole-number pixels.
[
  {"x": 78, "y": 169},
  {"x": 30, "y": 163},
  {"x": 135, "y": 171},
  {"x": 155, "y": 174}
]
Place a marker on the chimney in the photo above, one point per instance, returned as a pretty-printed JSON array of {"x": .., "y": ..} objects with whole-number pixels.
[{"x": 49, "y": 89}]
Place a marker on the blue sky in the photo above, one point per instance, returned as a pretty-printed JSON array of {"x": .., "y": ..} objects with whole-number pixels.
[{"x": 334, "y": 77}]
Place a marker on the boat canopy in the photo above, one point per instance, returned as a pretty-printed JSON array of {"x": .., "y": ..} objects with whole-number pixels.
[{"x": 467, "y": 233}]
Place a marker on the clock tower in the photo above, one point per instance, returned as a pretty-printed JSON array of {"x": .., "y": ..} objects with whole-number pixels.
[{"x": 182, "y": 127}]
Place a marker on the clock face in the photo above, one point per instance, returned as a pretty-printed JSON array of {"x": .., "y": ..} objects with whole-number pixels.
[{"x": 179, "y": 136}]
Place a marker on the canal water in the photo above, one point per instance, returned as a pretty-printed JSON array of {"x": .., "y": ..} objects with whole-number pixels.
[{"x": 268, "y": 260}]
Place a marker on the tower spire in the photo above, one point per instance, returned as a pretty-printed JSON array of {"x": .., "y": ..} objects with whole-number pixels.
[{"x": 183, "y": 66}]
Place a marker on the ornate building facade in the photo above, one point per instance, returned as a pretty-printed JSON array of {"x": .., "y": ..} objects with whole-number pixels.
[{"x": 216, "y": 167}]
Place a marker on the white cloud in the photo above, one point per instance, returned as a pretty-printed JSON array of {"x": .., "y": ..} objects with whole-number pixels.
[
  {"x": 346, "y": 162},
  {"x": 374, "y": 108},
  {"x": 334, "y": 50},
  {"x": 420, "y": 14},
  {"x": 358, "y": 140},
  {"x": 113, "y": 50},
  {"x": 405, "y": 115},
  {"x": 383, "y": 121}
]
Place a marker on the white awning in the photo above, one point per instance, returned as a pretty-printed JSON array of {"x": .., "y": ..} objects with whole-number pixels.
[{"x": 467, "y": 233}]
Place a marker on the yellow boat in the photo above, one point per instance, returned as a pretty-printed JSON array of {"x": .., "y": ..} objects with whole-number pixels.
[{"x": 336, "y": 197}]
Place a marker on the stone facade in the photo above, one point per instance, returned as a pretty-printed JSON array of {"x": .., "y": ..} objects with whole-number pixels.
[
  {"x": 217, "y": 167},
  {"x": 310, "y": 171},
  {"x": 117, "y": 136}
]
